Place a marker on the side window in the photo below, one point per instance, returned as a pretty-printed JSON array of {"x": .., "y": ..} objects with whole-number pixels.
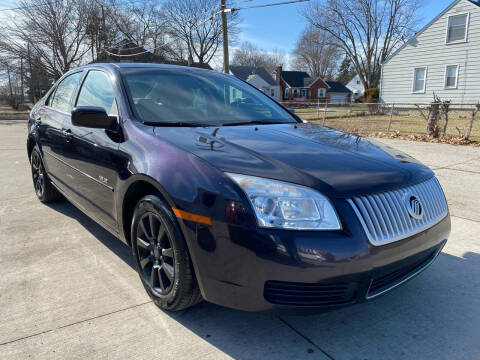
[
  {"x": 63, "y": 94},
  {"x": 98, "y": 91}
]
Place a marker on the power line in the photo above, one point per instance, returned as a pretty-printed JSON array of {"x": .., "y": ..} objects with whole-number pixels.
[{"x": 267, "y": 5}]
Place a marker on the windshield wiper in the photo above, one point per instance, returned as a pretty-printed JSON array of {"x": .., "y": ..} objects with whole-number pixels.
[
  {"x": 254, "y": 122},
  {"x": 177, "y": 124}
]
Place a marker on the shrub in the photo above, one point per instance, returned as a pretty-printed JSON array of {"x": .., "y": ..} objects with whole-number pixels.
[{"x": 371, "y": 95}]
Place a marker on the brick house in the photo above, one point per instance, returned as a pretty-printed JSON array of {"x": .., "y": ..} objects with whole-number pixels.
[{"x": 300, "y": 86}]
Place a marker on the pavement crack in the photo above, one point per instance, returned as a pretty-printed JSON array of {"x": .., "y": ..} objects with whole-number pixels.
[
  {"x": 25, "y": 337},
  {"x": 103, "y": 315},
  {"x": 306, "y": 338},
  {"x": 74, "y": 323},
  {"x": 456, "y": 164},
  {"x": 464, "y": 218}
]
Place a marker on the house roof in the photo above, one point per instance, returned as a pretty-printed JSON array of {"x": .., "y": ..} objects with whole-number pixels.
[
  {"x": 296, "y": 78},
  {"x": 244, "y": 72},
  {"x": 474, "y": 2},
  {"x": 427, "y": 26},
  {"x": 126, "y": 50},
  {"x": 337, "y": 87}
]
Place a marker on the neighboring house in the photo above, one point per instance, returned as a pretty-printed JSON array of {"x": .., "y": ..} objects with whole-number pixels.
[
  {"x": 356, "y": 87},
  {"x": 442, "y": 58},
  {"x": 257, "y": 76},
  {"x": 299, "y": 86},
  {"x": 128, "y": 51}
]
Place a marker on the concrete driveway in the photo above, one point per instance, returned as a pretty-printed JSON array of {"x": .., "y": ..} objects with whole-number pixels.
[{"x": 68, "y": 288}]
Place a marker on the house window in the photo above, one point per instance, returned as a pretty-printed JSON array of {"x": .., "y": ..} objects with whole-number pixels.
[
  {"x": 285, "y": 94},
  {"x": 419, "y": 79},
  {"x": 272, "y": 92},
  {"x": 457, "y": 28},
  {"x": 451, "y": 76},
  {"x": 358, "y": 82},
  {"x": 304, "y": 93},
  {"x": 321, "y": 92}
]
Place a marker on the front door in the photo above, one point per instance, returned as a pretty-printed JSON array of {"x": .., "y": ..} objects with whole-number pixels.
[{"x": 93, "y": 153}]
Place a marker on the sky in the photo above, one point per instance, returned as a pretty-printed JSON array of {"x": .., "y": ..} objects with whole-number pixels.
[
  {"x": 280, "y": 26},
  {"x": 277, "y": 27}
]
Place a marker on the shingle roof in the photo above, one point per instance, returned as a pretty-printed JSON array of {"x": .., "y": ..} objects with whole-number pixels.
[
  {"x": 295, "y": 78},
  {"x": 475, "y": 2},
  {"x": 244, "y": 72},
  {"x": 337, "y": 87}
]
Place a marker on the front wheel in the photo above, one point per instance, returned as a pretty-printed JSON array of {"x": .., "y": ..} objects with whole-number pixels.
[{"x": 161, "y": 256}]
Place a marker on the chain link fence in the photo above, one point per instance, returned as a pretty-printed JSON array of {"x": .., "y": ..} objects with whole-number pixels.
[{"x": 461, "y": 120}]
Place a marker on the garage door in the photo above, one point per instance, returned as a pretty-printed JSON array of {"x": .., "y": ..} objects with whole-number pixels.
[{"x": 338, "y": 99}]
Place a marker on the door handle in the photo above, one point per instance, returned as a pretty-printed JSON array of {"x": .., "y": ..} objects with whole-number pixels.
[{"x": 67, "y": 133}]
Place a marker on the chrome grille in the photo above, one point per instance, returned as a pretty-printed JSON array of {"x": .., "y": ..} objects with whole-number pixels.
[{"x": 385, "y": 216}]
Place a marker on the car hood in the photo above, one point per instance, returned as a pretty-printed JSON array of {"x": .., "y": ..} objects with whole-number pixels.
[{"x": 336, "y": 163}]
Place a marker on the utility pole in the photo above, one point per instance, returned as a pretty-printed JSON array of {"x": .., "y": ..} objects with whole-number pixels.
[
  {"x": 226, "y": 66},
  {"x": 22, "y": 96},
  {"x": 224, "y": 10}
]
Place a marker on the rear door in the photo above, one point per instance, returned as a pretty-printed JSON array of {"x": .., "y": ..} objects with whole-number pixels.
[
  {"x": 51, "y": 120},
  {"x": 93, "y": 153}
]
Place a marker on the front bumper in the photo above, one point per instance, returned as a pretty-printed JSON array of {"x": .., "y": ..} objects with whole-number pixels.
[{"x": 265, "y": 269}]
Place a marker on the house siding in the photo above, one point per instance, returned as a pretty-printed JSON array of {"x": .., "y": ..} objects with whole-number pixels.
[{"x": 429, "y": 49}]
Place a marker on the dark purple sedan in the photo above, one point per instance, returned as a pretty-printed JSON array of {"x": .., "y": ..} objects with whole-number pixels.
[{"x": 225, "y": 195}]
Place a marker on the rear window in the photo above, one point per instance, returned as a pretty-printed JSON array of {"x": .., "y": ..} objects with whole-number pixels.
[
  {"x": 196, "y": 96},
  {"x": 62, "y": 99}
]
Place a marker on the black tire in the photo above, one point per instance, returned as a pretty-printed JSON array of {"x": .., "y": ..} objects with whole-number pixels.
[
  {"x": 44, "y": 189},
  {"x": 161, "y": 256}
]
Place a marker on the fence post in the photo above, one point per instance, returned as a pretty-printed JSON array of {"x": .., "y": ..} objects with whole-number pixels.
[
  {"x": 318, "y": 108},
  {"x": 325, "y": 112},
  {"x": 390, "y": 120}
]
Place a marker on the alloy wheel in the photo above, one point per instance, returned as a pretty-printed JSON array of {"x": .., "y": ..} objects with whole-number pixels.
[
  {"x": 155, "y": 253},
  {"x": 38, "y": 174}
]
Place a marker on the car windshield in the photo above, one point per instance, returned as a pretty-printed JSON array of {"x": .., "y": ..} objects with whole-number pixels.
[{"x": 200, "y": 98}]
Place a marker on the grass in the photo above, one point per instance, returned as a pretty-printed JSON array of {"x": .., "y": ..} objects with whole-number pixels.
[{"x": 403, "y": 123}]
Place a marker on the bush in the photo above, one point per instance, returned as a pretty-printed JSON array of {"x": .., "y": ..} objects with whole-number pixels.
[{"x": 371, "y": 95}]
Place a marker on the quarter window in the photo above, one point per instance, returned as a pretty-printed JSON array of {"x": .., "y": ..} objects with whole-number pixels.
[
  {"x": 63, "y": 94},
  {"x": 419, "y": 79},
  {"x": 451, "y": 77},
  {"x": 97, "y": 91},
  {"x": 457, "y": 28}
]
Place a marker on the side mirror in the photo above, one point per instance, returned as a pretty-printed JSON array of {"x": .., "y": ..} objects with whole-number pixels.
[{"x": 92, "y": 117}]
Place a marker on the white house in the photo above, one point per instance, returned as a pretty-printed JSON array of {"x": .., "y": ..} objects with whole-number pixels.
[
  {"x": 442, "y": 58},
  {"x": 356, "y": 87},
  {"x": 259, "y": 77}
]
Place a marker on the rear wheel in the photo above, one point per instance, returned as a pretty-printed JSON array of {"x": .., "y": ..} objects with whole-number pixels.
[
  {"x": 161, "y": 256},
  {"x": 44, "y": 189}
]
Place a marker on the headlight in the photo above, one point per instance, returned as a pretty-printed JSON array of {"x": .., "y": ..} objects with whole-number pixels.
[{"x": 287, "y": 206}]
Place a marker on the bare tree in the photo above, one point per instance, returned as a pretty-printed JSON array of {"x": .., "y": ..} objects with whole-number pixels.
[
  {"x": 368, "y": 31},
  {"x": 140, "y": 21},
  {"x": 51, "y": 30},
  {"x": 317, "y": 52},
  {"x": 250, "y": 55},
  {"x": 188, "y": 22}
]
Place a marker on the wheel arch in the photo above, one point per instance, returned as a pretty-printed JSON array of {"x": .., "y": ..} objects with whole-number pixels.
[
  {"x": 138, "y": 186},
  {"x": 31, "y": 142}
]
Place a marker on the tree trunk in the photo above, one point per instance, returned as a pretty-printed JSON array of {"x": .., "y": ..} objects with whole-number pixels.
[{"x": 432, "y": 123}]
